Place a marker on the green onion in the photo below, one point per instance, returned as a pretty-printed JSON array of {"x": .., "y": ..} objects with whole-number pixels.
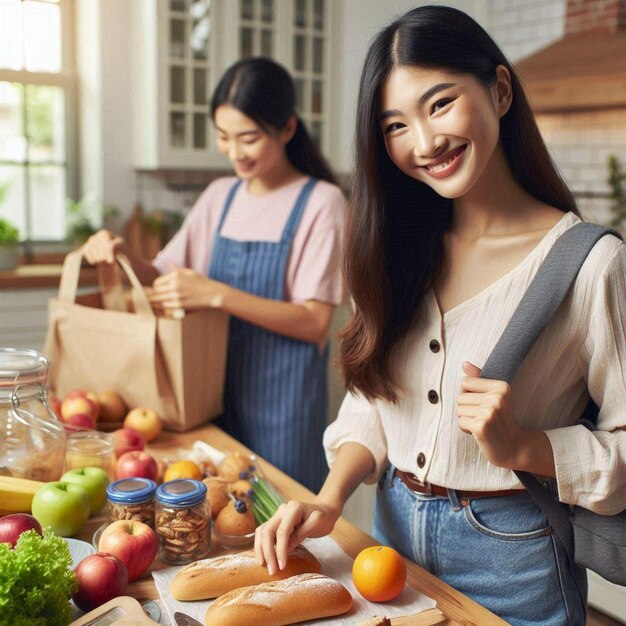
[{"x": 265, "y": 500}]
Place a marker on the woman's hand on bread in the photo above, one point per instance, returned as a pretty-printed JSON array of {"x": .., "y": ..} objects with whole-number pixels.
[
  {"x": 101, "y": 247},
  {"x": 291, "y": 524}
]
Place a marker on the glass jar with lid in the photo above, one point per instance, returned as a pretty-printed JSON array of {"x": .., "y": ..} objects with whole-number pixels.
[
  {"x": 183, "y": 521},
  {"x": 132, "y": 499},
  {"x": 32, "y": 440}
]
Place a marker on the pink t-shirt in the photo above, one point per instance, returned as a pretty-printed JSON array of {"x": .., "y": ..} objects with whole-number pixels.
[{"x": 313, "y": 271}]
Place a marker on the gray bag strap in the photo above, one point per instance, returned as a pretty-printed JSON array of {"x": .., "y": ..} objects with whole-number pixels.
[{"x": 537, "y": 307}]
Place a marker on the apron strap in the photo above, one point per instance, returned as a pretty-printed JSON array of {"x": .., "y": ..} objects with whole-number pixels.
[
  {"x": 294, "y": 219},
  {"x": 229, "y": 201}
]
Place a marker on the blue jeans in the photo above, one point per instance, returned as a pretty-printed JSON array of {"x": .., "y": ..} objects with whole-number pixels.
[{"x": 494, "y": 550}]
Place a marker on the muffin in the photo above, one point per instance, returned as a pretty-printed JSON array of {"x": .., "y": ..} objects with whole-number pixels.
[
  {"x": 208, "y": 468},
  {"x": 235, "y": 519},
  {"x": 241, "y": 489},
  {"x": 216, "y": 494},
  {"x": 236, "y": 466}
]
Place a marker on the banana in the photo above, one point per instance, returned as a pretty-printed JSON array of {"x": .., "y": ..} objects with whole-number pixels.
[{"x": 16, "y": 494}]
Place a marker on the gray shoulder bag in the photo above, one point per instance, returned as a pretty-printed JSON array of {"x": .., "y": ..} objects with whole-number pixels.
[{"x": 595, "y": 541}]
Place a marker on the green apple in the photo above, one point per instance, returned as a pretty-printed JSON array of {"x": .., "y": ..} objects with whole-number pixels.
[
  {"x": 63, "y": 506},
  {"x": 94, "y": 480}
]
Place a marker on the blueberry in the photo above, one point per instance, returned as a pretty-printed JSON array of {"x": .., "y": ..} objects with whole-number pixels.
[
  {"x": 243, "y": 475},
  {"x": 240, "y": 506}
]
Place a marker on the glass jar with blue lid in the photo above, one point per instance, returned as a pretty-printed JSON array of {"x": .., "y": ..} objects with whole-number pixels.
[
  {"x": 183, "y": 521},
  {"x": 132, "y": 499}
]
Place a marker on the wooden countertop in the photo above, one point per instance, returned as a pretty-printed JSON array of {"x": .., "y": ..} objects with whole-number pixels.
[{"x": 453, "y": 608}]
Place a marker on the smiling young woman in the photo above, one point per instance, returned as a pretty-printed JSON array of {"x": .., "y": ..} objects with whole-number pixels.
[
  {"x": 264, "y": 246},
  {"x": 455, "y": 204}
]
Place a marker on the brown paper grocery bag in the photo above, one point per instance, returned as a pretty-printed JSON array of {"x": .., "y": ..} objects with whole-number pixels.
[{"x": 96, "y": 342}]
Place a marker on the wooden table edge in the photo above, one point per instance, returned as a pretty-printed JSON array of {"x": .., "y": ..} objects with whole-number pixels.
[{"x": 452, "y": 607}]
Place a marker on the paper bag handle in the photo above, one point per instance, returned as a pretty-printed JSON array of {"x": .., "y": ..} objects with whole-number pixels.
[
  {"x": 111, "y": 288},
  {"x": 71, "y": 273}
]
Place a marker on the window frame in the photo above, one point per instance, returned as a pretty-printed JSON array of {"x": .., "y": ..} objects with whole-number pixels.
[{"x": 66, "y": 79}]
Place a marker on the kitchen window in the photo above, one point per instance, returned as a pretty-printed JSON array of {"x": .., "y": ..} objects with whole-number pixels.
[{"x": 37, "y": 116}]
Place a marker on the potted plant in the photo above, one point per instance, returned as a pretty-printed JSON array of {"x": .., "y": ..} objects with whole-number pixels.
[
  {"x": 79, "y": 215},
  {"x": 9, "y": 245}
]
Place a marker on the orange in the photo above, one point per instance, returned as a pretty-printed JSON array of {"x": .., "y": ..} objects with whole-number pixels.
[
  {"x": 182, "y": 469},
  {"x": 379, "y": 573}
]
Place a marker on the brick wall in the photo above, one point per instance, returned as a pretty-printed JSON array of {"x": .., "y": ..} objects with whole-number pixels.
[
  {"x": 524, "y": 26},
  {"x": 580, "y": 144},
  {"x": 594, "y": 16}
]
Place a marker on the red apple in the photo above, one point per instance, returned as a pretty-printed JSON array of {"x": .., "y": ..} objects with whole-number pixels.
[
  {"x": 126, "y": 440},
  {"x": 133, "y": 542},
  {"x": 81, "y": 422},
  {"x": 79, "y": 404},
  {"x": 144, "y": 421},
  {"x": 12, "y": 526},
  {"x": 81, "y": 393},
  {"x": 112, "y": 406},
  {"x": 100, "y": 577},
  {"x": 136, "y": 464},
  {"x": 76, "y": 393}
]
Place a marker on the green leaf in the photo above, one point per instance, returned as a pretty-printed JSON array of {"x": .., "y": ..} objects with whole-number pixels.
[
  {"x": 617, "y": 193},
  {"x": 36, "y": 581},
  {"x": 8, "y": 232}
]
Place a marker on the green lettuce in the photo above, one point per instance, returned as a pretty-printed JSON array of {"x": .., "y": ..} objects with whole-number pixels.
[{"x": 36, "y": 581}]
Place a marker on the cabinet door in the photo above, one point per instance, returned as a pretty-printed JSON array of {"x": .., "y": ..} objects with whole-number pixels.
[
  {"x": 174, "y": 70},
  {"x": 187, "y": 50},
  {"x": 297, "y": 34}
]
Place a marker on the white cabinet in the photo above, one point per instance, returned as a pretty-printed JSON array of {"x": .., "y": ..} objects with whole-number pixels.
[
  {"x": 300, "y": 35},
  {"x": 172, "y": 82},
  {"x": 181, "y": 48}
]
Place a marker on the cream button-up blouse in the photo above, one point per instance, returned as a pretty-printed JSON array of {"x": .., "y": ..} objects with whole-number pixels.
[{"x": 581, "y": 352}]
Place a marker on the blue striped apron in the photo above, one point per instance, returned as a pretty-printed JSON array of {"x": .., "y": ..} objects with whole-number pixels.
[{"x": 275, "y": 397}]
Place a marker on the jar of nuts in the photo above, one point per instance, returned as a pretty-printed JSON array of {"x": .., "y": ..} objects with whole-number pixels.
[
  {"x": 132, "y": 499},
  {"x": 183, "y": 521}
]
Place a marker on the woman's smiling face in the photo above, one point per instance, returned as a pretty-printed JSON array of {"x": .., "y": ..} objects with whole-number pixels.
[
  {"x": 442, "y": 128},
  {"x": 252, "y": 150}
]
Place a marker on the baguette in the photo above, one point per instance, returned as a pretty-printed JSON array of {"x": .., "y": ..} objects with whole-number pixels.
[
  {"x": 212, "y": 577},
  {"x": 297, "y": 599}
]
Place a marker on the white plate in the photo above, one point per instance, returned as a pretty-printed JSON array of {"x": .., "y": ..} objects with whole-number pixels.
[
  {"x": 95, "y": 540},
  {"x": 79, "y": 550}
]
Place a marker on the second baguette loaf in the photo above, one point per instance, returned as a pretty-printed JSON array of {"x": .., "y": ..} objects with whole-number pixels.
[
  {"x": 212, "y": 577},
  {"x": 297, "y": 599}
]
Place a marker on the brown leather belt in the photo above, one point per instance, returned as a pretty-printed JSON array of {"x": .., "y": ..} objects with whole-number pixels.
[{"x": 411, "y": 481}]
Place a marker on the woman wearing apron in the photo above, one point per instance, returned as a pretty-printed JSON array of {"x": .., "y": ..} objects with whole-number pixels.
[{"x": 264, "y": 247}]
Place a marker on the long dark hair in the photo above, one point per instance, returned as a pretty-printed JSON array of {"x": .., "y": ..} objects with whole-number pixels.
[
  {"x": 393, "y": 246},
  {"x": 264, "y": 91}
]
